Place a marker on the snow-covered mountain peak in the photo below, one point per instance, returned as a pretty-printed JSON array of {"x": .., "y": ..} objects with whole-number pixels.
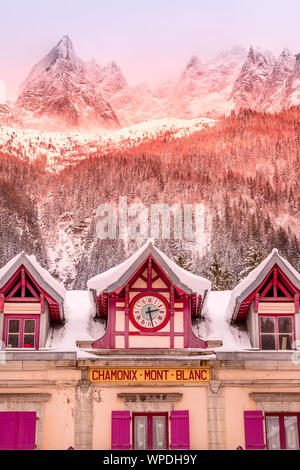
[
  {"x": 194, "y": 68},
  {"x": 61, "y": 53},
  {"x": 58, "y": 94},
  {"x": 257, "y": 56},
  {"x": 65, "y": 49}
]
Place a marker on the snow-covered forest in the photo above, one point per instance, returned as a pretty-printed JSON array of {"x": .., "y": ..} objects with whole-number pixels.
[{"x": 245, "y": 170}]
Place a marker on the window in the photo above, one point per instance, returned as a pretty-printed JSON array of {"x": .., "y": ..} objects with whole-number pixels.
[
  {"x": 21, "y": 331},
  {"x": 150, "y": 431},
  {"x": 282, "y": 431},
  {"x": 276, "y": 332}
]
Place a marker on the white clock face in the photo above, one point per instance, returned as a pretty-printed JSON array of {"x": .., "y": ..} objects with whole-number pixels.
[{"x": 149, "y": 312}]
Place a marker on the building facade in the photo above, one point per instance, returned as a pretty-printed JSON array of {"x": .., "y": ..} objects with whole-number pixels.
[{"x": 148, "y": 357}]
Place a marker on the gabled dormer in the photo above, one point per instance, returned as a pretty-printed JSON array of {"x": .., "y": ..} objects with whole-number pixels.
[
  {"x": 267, "y": 300},
  {"x": 148, "y": 302},
  {"x": 30, "y": 301}
]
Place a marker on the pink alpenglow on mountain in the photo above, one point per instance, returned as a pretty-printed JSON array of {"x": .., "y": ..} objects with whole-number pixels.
[
  {"x": 252, "y": 79},
  {"x": 58, "y": 94}
]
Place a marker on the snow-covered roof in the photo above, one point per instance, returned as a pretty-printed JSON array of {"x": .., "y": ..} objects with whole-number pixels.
[
  {"x": 217, "y": 327},
  {"x": 47, "y": 282},
  {"x": 79, "y": 326},
  {"x": 116, "y": 277},
  {"x": 256, "y": 277}
]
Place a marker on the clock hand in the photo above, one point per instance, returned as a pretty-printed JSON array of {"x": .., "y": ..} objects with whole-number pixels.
[
  {"x": 151, "y": 318},
  {"x": 149, "y": 313}
]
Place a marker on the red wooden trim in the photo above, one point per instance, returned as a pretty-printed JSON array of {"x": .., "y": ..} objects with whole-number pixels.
[
  {"x": 127, "y": 316},
  {"x": 1, "y": 303},
  {"x": 23, "y": 282},
  {"x": 135, "y": 275},
  {"x": 11, "y": 282},
  {"x": 143, "y": 289},
  {"x": 276, "y": 299},
  {"x": 157, "y": 333},
  {"x": 275, "y": 279},
  {"x": 288, "y": 283},
  {"x": 149, "y": 281},
  {"x": 283, "y": 289},
  {"x": 155, "y": 278},
  {"x": 172, "y": 320},
  {"x": 266, "y": 289},
  {"x": 22, "y": 300},
  {"x": 17, "y": 286},
  {"x": 28, "y": 285}
]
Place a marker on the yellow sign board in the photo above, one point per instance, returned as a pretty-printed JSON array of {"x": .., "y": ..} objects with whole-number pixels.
[{"x": 150, "y": 375}]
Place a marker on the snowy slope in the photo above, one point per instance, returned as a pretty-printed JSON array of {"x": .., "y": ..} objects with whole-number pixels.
[{"x": 60, "y": 149}]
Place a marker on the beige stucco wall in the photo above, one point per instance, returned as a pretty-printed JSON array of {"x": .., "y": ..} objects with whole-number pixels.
[
  {"x": 216, "y": 409},
  {"x": 55, "y": 413},
  {"x": 194, "y": 399}
]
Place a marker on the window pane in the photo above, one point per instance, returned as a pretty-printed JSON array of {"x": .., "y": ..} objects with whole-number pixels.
[
  {"x": 285, "y": 342},
  {"x": 140, "y": 433},
  {"x": 159, "y": 432},
  {"x": 273, "y": 432},
  {"x": 29, "y": 341},
  {"x": 267, "y": 324},
  {"x": 13, "y": 326},
  {"x": 13, "y": 341},
  {"x": 268, "y": 342},
  {"x": 285, "y": 325},
  {"x": 291, "y": 432},
  {"x": 29, "y": 326}
]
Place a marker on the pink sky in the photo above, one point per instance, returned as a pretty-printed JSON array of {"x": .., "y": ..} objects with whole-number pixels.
[{"x": 151, "y": 41}]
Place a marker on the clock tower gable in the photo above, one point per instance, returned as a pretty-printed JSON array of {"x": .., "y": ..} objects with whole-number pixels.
[{"x": 150, "y": 308}]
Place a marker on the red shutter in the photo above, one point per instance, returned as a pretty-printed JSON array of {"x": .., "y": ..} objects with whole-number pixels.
[
  {"x": 254, "y": 430},
  {"x": 120, "y": 430},
  {"x": 180, "y": 430},
  {"x": 17, "y": 430},
  {"x": 7, "y": 430},
  {"x": 26, "y": 431}
]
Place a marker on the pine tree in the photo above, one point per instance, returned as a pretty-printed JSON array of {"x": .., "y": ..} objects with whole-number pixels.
[
  {"x": 254, "y": 256},
  {"x": 183, "y": 262},
  {"x": 220, "y": 277}
]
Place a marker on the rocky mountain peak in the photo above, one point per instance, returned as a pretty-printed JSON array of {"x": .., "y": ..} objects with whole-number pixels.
[{"x": 58, "y": 93}]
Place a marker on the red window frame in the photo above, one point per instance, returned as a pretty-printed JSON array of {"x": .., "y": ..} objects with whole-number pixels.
[
  {"x": 282, "y": 428},
  {"x": 21, "y": 317},
  {"x": 276, "y": 315},
  {"x": 150, "y": 428}
]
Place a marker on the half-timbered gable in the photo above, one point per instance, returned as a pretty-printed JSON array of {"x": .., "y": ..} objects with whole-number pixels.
[
  {"x": 30, "y": 300},
  {"x": 268, "y": 301},
  {"x": 148, "y": 302}
]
